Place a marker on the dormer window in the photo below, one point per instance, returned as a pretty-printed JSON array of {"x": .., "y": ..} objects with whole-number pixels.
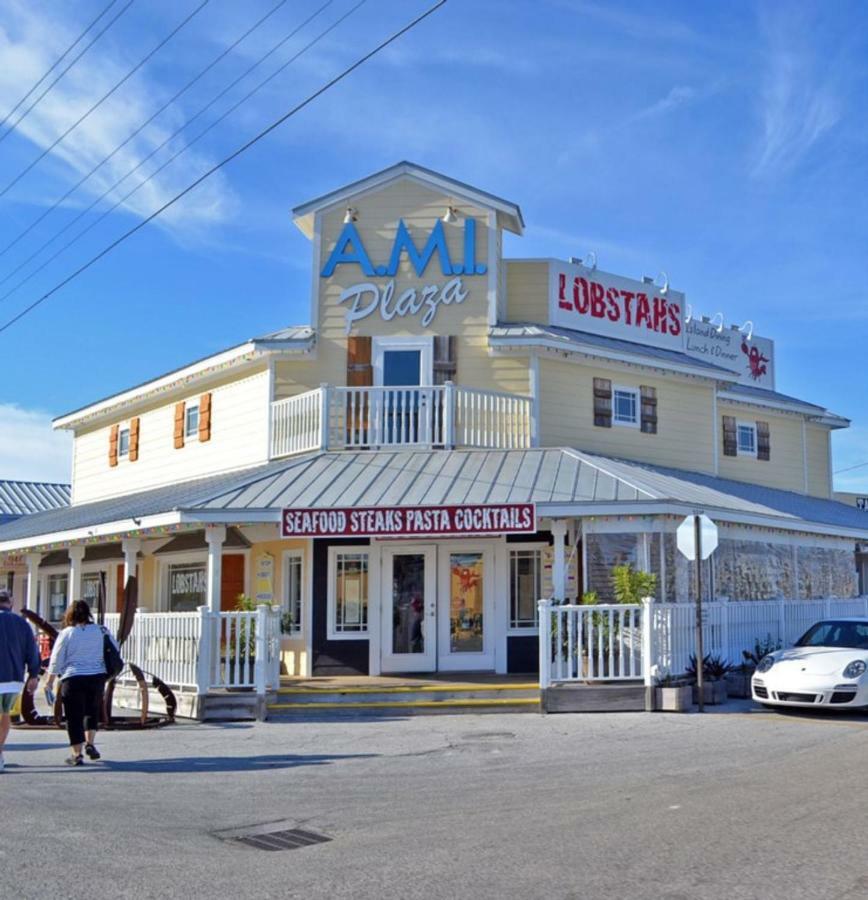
[
  {"x": 124, "y": 442},
  {"x": 191, "y": 421}
]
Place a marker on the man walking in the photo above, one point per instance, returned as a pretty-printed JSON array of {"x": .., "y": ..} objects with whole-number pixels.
[{"x": 18, "y": 651}]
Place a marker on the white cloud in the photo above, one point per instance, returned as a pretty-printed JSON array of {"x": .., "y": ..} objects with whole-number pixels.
[
  {"x": 797, "y": 106},
  {"x": 29, "y": 449},
  {"x": 677, "y": 96},
  {"x": 29, "y": 44}
]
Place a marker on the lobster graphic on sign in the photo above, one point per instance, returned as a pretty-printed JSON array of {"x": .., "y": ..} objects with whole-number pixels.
[{"x": 755, "y": 360}]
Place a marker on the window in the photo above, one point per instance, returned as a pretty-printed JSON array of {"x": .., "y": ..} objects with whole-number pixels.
[
  {"x": 525, "y": 586},
  {"x": 746, "y": 434},
  {"x": 124, "y": 442},
  {"x": 90, "y": 584},
  {"x": 191, "y": 421},
  {"x": 625, "y": 406},
  {"x": 290, "y": 607},
  {"x": 58, "y": 596},
  {"x": 188, "y": 586},
  {"x": 348, "y": 593}
]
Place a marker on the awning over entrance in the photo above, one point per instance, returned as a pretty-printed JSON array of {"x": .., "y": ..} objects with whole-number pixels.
[{"x": 561, "y": 482}]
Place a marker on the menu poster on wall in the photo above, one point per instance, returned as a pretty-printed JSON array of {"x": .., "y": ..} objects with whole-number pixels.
[
  {"x": 752, "y": 360},
  {"x": 572, "y": 561},
  {"x": 265, "y": 578},
  {"x": 589, "y": 300}
]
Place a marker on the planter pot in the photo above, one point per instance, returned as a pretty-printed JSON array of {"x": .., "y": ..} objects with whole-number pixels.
[
  {"x": 738, "y": 685},
  {"x": 674, "y": 699},
  {"x": 713, "y": 693}
]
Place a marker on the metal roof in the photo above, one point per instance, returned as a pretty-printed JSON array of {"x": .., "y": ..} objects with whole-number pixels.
[
  {"x": 583, "y": 341},
  {"x": 570, "y": 481},
  {"x": 22, "y": 498}
]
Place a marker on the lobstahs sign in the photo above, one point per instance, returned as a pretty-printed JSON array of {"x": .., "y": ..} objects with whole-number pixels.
[
  {"x": 585, "y": 299},
  {"x": 421, "y": 301},
  {"x": 410, "y": 521}
]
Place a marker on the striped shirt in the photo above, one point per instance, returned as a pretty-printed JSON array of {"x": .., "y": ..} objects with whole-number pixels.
[{"x": 78, "y": 650}]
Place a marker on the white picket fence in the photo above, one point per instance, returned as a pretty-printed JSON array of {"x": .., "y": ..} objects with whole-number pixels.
[
  {"x": 204, "y": 650},
  {"x": 644, "y": 642}
]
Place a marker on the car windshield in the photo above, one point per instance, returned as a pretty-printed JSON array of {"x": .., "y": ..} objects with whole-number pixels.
[{"x": 836, "y": 634}]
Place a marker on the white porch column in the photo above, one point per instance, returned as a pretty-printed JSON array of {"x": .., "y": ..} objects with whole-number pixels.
[
  {"x": 131, "y": 547},
  {"x": 215, "y": 535},
  {"x": 30, "y": 600},
  {"x": 76, "y": 555},
  {"x": 559, "y": 567}
]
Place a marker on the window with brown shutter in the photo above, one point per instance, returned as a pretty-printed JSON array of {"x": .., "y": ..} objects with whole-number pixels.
[
  {"x": 649, "y": 409},
  {"x": 360, "y": 372},
  {"x": 730, "y": 436},
  {"x": 179, "y": 424},
  {"x": 445, "y": 358},
  {"x": 205, "y": 417},
  {"x": 134, "y": 439},
  {"x": 763, "y": 441},
  {"x": 603, "y": 402},
  {"x": 113, "y": 445}
]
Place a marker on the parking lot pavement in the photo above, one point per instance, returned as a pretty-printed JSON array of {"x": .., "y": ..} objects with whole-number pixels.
[{"x": 735, "y": 803}]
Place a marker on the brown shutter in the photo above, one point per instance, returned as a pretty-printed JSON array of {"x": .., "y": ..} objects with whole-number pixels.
[
  {"x": 763, "y": 441},
  {"x": 730, "y": 436},
  {"x": 360, "y": 372},
  {"x": 603, "y": 402},
  {"x": 445, "y": 359},
  {"x": 649, "y": 408},
  {"x": 113, "y": 445},
  {"x": 180, "y": 411},
  {"x": 134, "y": 439},
  {"x": 205, "y": 417}
]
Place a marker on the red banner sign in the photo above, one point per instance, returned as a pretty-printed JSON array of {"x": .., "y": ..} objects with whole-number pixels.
[{"x": 410, "y": 521}]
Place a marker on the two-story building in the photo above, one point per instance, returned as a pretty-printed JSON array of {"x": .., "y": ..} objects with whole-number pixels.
[{"x": 453, "y": 436}]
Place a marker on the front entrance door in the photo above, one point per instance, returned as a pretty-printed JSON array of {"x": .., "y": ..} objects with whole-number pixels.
[
  {"x": 466, "y": 608},
  {"x": 409, "y": 611}
]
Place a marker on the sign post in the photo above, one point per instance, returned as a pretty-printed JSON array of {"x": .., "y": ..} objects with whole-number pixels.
[{"x": 697, "y": 538}]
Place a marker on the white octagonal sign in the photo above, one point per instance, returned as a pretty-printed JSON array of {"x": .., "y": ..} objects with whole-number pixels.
[{"x": 686, "y": 536}]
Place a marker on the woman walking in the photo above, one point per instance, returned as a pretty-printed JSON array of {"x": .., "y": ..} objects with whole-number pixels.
[{"x": 78, "y": 659}]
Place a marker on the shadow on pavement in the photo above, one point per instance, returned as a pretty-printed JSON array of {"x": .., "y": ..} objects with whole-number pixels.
[
  {"x": 13, "y": 747},
  {"x": 209, "y": 764}
]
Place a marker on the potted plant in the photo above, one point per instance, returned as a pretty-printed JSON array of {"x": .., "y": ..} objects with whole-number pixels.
[
  {"x": 714, "y": 671},
  {"x": 673, "y": 694},
  {"x": 738, "y": 679}
]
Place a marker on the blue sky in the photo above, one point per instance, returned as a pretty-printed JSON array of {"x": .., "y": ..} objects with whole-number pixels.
[{"x": 722, "y": 143}]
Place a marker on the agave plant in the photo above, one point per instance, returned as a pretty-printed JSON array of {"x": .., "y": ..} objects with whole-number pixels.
[{"x": 714, "y": 668}]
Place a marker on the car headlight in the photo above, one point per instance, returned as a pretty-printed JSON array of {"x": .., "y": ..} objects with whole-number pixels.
[
  {"x": 855, "y": 669},
  {"x": 765, "y": 663}
]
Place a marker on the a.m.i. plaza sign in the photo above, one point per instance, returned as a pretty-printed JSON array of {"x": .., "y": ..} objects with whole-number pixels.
[{"x": 367, "y": 297}]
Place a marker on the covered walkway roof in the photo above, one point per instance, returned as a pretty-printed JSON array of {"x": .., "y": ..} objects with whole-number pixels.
[{"x": 561, "y": 481}]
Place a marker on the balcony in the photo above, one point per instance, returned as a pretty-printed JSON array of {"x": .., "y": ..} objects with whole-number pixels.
[{"x": 357, "y": 418}]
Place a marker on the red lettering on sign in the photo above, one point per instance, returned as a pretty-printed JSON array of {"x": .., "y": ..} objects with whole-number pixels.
[
  {"x": 643, "y": 311},
  {"x": 581, "y": 300},
  {"x": 598, "y": 304},
  {"x": 628, "y": 306},
  {"x": 660, "y": 312},
  {"x": 563, "y": 303},
  {"x": 614, "y": 311},
  {"x": 675, "y": 319}
]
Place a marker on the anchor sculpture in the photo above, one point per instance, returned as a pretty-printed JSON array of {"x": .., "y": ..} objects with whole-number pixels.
[{"x": 30, "y": 717}]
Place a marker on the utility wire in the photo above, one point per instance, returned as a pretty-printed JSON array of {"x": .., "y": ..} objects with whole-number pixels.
[
  {"x": 104, "y": 97},
  {"x": 141, "y": 128},
  {"x": 178, "y": 153},
  {"x": 98, "y": 35},
  {"x": 860, "y": 465},
  {"x": 56, "y": 63},
  {"x": 226, "y": 160}
]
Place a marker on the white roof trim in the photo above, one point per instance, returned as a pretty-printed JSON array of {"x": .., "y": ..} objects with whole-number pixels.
[
  {"x": 803, "y": 409},
  {"x": 304, "y": 214}
]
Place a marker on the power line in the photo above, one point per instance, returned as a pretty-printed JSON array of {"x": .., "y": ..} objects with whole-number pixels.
[
  {"x": 860, "y": 465},
  {"x": 51, "y": 68},
  {"x": 179, "y": 152},
  {"x": 104, "y": 97},
  {"x": 225, "y": 161},
  {"x": 98, "y": 35},
  {"x": 139, "y": 130}
]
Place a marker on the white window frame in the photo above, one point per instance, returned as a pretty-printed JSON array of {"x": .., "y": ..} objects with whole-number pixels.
[
  {"x": 194, "y": 434},
  {"x": 637, "y": 401},
  {"x": 292, "y": 556},
  {"x": 738, "y": 427},
  {"x": 44, "y": 576},
  {"x": 424, "y": 344},
  {"x": 124, "y": 430},
  {"x": 520, "y": 630},
  {"x": 332, "y": 633}
]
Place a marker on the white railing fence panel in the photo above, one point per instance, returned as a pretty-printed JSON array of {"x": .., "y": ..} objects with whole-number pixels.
[{"x": 296, "y": 423}]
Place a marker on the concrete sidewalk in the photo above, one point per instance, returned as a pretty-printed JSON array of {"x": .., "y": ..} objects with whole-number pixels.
[{"x": 745, "y": 804}]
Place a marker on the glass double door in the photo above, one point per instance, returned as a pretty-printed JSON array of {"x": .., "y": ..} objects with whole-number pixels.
[{"x": 437, "y": 609}]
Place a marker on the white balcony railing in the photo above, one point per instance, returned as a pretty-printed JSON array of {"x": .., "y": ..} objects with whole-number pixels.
[{"x": 368, "y": 417}]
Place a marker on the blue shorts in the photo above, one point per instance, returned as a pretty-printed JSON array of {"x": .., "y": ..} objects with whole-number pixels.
[{"x": 7, "y": 701}]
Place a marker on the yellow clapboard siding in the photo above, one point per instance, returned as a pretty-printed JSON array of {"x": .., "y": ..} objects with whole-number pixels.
[{"x": 527, "y": 286}]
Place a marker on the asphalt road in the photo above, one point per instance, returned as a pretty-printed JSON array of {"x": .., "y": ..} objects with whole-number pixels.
[{"x": 742, "y": 804}]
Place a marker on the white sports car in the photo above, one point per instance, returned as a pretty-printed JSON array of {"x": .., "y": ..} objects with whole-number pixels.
[{"x": 827, "y": 667}]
